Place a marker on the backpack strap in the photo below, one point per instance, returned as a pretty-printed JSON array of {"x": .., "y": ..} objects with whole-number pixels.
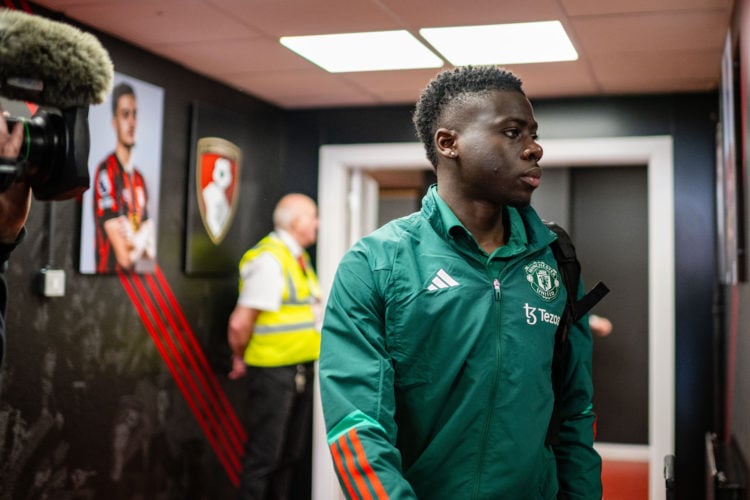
[{"x": 570, "y": 269}]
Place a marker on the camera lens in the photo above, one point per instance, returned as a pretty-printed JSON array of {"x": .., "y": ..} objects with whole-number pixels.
[
  {"x": 43, "y": 145},
  {"x": 54, "y": 154}
]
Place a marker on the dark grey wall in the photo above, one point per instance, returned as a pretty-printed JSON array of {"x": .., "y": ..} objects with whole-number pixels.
[{"x": 59, "y": 415}]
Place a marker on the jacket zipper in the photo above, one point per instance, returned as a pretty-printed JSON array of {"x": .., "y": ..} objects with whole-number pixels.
[{"x": 497, "y": 294}]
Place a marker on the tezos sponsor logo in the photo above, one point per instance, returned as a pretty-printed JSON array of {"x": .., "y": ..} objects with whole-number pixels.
[{"x": 535, "y": 314}]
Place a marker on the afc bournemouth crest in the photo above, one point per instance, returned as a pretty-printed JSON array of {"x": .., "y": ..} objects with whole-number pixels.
[
  {"x": 543, "y": 279},
  {"x": 217, "y": 181}
]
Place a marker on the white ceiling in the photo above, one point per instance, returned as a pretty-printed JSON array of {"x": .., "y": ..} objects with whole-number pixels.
[{"x": 624, "y": 46}]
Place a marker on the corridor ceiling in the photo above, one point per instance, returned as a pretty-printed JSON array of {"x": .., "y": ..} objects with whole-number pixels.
[{"x": 624, "y": 46}]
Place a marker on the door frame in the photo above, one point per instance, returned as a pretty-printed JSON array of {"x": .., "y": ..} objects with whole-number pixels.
[{"x": 339, "y": 163}]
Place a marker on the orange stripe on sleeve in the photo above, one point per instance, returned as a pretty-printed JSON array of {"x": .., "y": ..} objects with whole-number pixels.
[
  {"x": 352, "y": 468},
  {"x": 372, "y": 478},
  {"x": 342, "y": 470}
]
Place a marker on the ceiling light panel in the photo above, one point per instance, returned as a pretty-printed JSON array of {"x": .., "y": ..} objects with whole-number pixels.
[
  {"x": 517, "y": 43},
  {"x": 372, "y": 51}
]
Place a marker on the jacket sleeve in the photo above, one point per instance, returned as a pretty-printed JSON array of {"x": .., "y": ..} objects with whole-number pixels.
[
  {"x": 5, "y": 251},
  {"x": 357, "y": 385},
  {"x": 578, "y": 464}
]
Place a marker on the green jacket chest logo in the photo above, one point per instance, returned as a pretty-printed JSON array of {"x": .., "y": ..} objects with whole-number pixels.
[{"x": 543, "y": 279}]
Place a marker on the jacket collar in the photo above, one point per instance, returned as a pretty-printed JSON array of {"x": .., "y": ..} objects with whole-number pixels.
[{"x": 446, "y": 224}]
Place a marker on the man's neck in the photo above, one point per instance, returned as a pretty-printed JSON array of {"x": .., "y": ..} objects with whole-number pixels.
[
  {"x": 488, "y": 224},
  {"x": 123, "y": 156}
]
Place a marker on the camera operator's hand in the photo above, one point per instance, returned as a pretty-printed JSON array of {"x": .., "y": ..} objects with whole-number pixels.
[{"x": 15, "y": 201}]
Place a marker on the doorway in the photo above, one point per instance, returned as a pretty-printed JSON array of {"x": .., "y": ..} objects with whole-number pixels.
[
  {"x": 344, "y": 196},
  {"x": 605, "y": 210}
]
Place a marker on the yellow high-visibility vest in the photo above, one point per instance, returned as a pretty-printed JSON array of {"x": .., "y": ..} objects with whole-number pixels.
[{"x": 287, "y": 336}]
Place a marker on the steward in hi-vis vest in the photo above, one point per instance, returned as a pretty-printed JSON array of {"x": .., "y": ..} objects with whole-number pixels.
[
  {"x": 287, "y": 336},
  {"x": 274, "y": 336}
]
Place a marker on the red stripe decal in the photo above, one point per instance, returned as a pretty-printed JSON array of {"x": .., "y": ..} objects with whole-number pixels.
[
  {"x": 172, "y": 348},
  {"x": 236, "y": 425},
  {"x": 160, "y": 347},
  {"x": 365, "y": 466},
  {"x": 226, "y": 455},
  {"x": 213, "y": 402}
]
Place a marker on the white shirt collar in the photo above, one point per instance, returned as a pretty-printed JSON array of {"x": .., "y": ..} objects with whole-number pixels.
[{"x": 289, "y": 241}]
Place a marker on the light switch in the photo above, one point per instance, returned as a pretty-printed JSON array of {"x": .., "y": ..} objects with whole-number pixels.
[{"x": 52, "y": 282}]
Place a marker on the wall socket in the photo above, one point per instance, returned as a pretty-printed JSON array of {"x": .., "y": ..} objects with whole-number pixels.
[{"x": 52, "y": 282}]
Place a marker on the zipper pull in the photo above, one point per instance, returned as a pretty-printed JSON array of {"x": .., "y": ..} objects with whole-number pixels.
[{"x": 496, "y": 284}]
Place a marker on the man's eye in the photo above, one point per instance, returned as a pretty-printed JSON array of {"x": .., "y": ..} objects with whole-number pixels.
[{"x": 512, "y": 133}]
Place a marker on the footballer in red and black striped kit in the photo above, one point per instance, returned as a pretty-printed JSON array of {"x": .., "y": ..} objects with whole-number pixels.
[{"x": 124, "y": 232}]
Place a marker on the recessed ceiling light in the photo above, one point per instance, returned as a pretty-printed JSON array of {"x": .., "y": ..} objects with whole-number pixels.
[
  {"x": 517, "y": 43},
  {"x": 373, "y": 51}
]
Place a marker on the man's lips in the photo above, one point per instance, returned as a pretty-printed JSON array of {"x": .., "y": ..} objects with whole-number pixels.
[{"x": 532, "y": 178}]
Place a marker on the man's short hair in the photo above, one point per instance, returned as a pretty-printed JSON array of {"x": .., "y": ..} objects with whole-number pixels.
[
  {"x": 451, "y": 85},
  {"x": 120, "y": 90}
]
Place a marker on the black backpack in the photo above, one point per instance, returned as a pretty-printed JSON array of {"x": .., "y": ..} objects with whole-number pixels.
[{"x": 570, "y": 268}]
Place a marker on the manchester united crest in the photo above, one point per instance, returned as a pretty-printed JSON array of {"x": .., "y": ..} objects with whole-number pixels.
[
  {"x": 543, "y": 279},
  {"x": 218, "y": 180}
]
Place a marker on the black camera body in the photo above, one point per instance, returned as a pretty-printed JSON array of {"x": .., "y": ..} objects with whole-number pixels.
[{"x": 54, "y": 154}]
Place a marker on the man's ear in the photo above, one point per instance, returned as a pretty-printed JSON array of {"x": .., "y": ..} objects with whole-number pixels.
[{"x": 446, "y": 143}]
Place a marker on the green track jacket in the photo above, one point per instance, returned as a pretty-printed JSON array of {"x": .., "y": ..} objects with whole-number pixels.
[{"x": 435, "y": 366}]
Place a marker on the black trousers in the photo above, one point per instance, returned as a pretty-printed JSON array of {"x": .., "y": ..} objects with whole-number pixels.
[{"x": 279, "y": 420}]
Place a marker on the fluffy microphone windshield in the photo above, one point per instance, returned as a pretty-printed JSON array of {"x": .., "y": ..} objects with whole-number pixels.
[{"x": 51, "y": 63}]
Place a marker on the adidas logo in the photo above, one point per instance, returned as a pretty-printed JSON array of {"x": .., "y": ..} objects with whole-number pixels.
[{"x": 442, "y": 280}]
